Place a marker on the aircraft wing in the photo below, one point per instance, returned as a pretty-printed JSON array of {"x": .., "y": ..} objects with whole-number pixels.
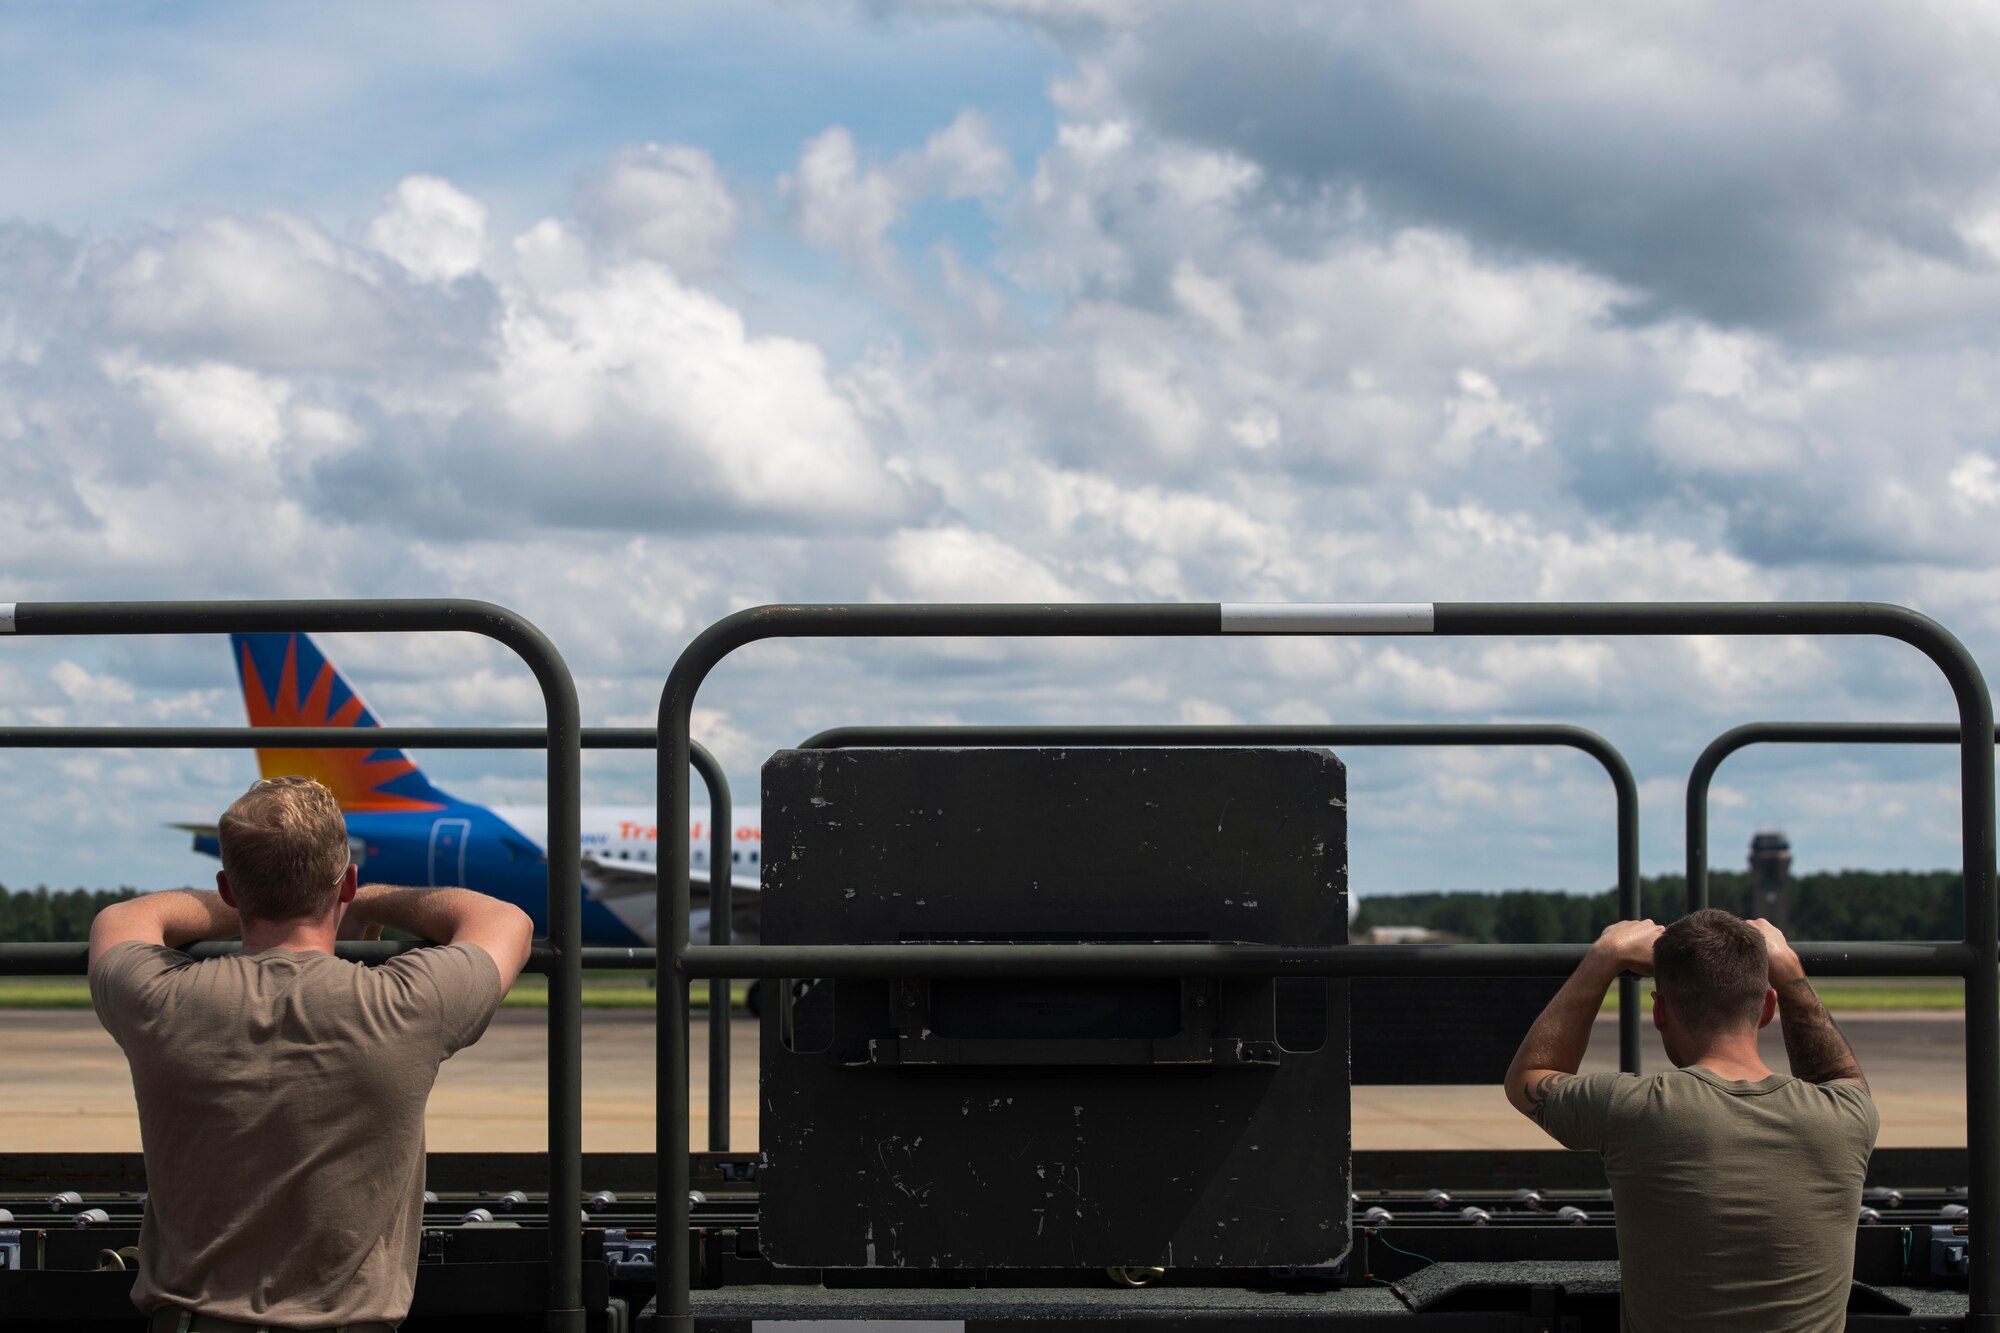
[
  {"x": 205, "y": 839},
  {"x": 606, "y": 878}
]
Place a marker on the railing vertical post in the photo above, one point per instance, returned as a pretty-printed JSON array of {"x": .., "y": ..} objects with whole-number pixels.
[
  {"x": 670, "y": 1071},
  {"x": 565, "y": 848},
  {"x": 1631, "y": 903},
  {"x": 721, "y": 922},
  {"x": 1982, "y": 994},
  {"x": 1697, "y": 821}
]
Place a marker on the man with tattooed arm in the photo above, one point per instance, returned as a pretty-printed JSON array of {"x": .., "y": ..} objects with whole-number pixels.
[{"x": 1736, "y": 1188}]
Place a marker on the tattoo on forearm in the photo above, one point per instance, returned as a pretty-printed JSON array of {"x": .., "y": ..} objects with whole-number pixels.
[
  {"x": 1814, "y": 1043},
  {"x": 1538, "y": 1095}
]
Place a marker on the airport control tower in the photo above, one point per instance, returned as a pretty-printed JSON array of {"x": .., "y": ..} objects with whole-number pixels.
[{"x": 1771, "y": 878}]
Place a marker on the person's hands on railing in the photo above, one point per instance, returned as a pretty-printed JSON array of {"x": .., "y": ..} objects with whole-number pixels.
[
  {"x": 1785, "y": 964},
  {"x": 1627, "y": 946}
]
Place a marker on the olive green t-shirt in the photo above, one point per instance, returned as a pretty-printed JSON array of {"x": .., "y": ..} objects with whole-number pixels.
[
  {"x": 281, "y": 1107},
  {"x": 1736, "y": 1201}
]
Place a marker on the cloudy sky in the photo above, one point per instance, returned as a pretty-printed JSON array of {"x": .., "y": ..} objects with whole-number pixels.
[{"x": 628, "y": 319}]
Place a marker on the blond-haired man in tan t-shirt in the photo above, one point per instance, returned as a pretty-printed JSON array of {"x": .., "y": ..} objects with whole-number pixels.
[
  {"x": 281, "y": 1090},
  {"x": 1736, "y": 1188}
]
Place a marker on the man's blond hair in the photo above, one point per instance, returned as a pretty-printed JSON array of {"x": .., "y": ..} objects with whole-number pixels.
[{"x": 284, "y": 849}]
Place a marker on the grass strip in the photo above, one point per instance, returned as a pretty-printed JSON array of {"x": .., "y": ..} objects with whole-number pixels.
[
  {"x": 1858, "y": 994},
  {"x": 632, "y": 990}
]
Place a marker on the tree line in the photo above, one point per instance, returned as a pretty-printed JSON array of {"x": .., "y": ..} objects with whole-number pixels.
[
  {"x": 1829, "y": 905},
  {"x": 44, "y": 916}
]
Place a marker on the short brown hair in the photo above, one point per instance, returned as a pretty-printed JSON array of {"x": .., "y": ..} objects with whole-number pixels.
[
  {"x": 284, "y": 849},
  {"x": 1713, "y": 969}
]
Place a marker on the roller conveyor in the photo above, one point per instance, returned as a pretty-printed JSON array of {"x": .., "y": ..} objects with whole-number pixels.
[{"x": 1473, "y": 1249}]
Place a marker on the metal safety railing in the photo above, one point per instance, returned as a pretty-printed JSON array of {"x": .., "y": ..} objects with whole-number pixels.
[
  {"x": 1624, "y": 788},
  {"x": 563, "y": 959},
  {"x": 66, "y": 959},
  {"x": 1976, "y": 958},
  {"x": 1797, "y": 733}
]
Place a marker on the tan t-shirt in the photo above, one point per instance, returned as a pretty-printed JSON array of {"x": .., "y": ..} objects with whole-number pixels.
[
  {"x": 1736, "y": 1201},
  {"x": 281, "y": 1107}
]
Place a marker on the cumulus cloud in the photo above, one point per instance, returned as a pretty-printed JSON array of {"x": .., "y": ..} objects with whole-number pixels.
[
  {"x": 226, "y": 410},
  {"x": 1975, "y": 483},
  {"x": 84, "y": 689},
  {"x": 666, "y": 202},
  {"x": 1744, "y": 167},
  {"x": 683, "y": 413},
  {"x": 430, "y": 227},
  {"x": 279, "y": 292},
  {"x": 412, "y": 380},
  {"x": 957, "y": 565},
  {"x": 842, "y": 206},
  {"x": 848, "y": 206},
  {"x": 1697, "y": 436}
]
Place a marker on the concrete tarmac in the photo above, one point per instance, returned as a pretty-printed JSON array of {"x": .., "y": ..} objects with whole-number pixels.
[{"x": 66, "y": 1087}]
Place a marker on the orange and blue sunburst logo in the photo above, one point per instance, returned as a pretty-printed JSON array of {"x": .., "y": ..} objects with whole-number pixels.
[{"x": 287, "y": 682}]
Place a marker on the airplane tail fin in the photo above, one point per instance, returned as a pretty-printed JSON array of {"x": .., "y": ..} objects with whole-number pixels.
[{"x": 288, "y": 682}]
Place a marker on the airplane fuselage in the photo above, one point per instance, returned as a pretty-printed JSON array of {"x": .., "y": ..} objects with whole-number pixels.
[{"x": 503, "y": 851}]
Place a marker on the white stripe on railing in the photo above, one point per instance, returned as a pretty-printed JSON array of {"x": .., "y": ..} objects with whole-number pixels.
[
  {"x": 6, "y": 617},
  {"x": 1328, "y": 618}
]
